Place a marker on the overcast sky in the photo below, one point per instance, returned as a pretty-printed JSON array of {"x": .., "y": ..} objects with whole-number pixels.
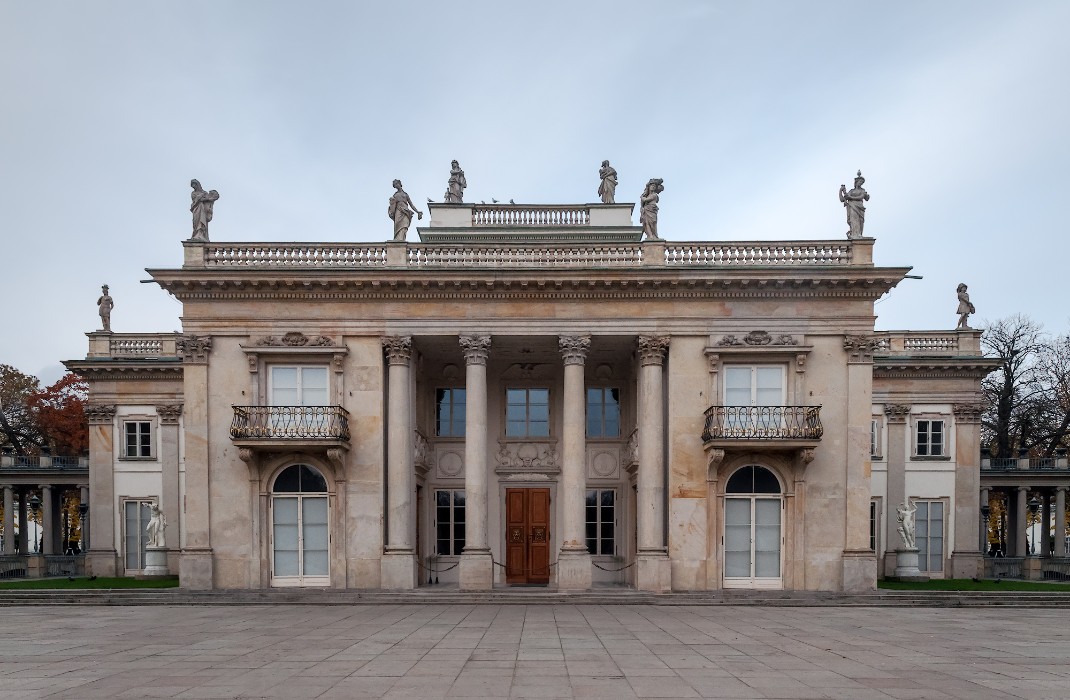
[{"x": 754, "y": 113}]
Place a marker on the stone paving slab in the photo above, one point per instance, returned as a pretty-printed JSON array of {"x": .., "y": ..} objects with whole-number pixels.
[{"x": 537, "y": 651}]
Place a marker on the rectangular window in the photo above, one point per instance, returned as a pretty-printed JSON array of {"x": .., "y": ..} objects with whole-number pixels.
[
  {"x": 449, "y": 412},
  {"x": 302, "y": 386},
  {"x": 601, "y": 521},
  {"x": 929, "y": 535},
  {"x": 138, "y": 439},
  {"x": 449, "y": 522},
  {"x": 874, "y": 524},
  {"x": 747, "y": 389},
  {"x": 136, "y": 517},
  {"x": 875, "y": 437},
  {"x": 930, "y": 442},
  {"x": 527, "y": 412},
  {"x": 603, "y": 412}
]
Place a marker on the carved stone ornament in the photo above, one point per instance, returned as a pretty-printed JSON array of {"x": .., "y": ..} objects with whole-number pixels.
[
  {"x": 630, "y": 455},
  {"x": 757, "y": 338},
  {"x": 419, "y": 450},
  {"x": 246, "y": 455},
  {"x": 295, "y": 340},
  {"x": 169, "y": 413},
  {"x": 337, "y": 456},
  {"x": 476, "y": 348},
  {"x": 968, "y": 412},
  {"x": 194, "y": 348},
  {"x": 398, "y": 349},
  {"x": 860, "y": 347},
  {"x": 897, "y": 412},
  {"x": 574, "y": 348},
  {"x": 527, "y": 456},
  {"x": 806, "y": 454},
  {"x": 729, "y": 341},
  {"x": 652, "y": 349},
  {"x": 100, "y": 413}
]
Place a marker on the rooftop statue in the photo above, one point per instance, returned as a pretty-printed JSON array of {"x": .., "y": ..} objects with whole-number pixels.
[
  {"x": 401, "y": 210},
  {"x": 965, "y": 308},
  {"x": 104, "y": 306},
  {"x": 648, "y": 208},
  {"x": 856, "y": 210},
  {"x": 201, "y": 209},
  {"x": 607, "y": 189},
  {"x": 456, "y": 185}
]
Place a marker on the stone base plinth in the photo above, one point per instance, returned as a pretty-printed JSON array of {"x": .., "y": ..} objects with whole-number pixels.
[
  {"x": 100, "y": 563},
  {"x": 196, "y": 569},
  {"x": 155, "y": 563},
  {"x": 476, "y": 571},
  {"x": 859, "y": 571},
  {"x": 1031, "y": 569},
  {"x": 399, "y": 571},
  {"x": 906, "y": 566},
  {"x": 653, "y": 572},
  {"x": 967, "y": 565},
  {"x": 574, "y": 570}
]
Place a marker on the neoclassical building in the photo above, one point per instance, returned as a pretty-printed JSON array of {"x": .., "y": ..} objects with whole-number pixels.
[{"x": 533, "y": 396}]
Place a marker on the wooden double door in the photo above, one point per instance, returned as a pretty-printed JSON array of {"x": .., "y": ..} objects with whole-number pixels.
[{"x": 527, "y": 536}]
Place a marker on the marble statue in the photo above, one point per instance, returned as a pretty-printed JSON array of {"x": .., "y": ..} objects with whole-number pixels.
[
  {"x": 965, "y": 308},
  {"x": 104, "y": 306},
  {"x": 856, "y": 210},
  {"x": 157, "y": 525},
  {"x": 648, "y": 208},
  {"x": 201, "y": 209},
  {"x": 401, "y": 210},
  {"x": 456, "y": 185},
  {"x": 607, "y": 189},
  {"x": 904, "y": 514}
]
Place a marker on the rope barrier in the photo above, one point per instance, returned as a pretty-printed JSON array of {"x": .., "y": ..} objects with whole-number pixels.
[{"x": 612, "y": 571}]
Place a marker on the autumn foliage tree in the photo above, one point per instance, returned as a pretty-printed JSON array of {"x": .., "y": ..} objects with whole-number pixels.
[{"x": 42, "y": 421}]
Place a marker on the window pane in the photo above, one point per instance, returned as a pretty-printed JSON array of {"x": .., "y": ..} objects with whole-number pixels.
[
  {"x": 314, "y": 378},
  {"x": 516, "y": 396},
  {"x": 737, "y": 537},
  {"x": 765, "y": 481},
  {"x": 539, "y": 396},
  {"x": 539, "y": 429},
  {"x": 312, "y": 481}
]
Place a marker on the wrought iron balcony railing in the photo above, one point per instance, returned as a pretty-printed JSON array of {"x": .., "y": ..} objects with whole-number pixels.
[
  {"x": 763, "y": 423},
  {"x": 290, "y": 423}
]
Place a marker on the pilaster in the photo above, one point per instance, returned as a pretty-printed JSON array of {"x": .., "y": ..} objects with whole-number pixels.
[
  {"x": 966, "y": 561},
  {"x": 859, "y": 561},
  {"x": 895, "y": 416},
  {"x": 102, "y": 558},
  {"x": 169, "y": 415},
  {"x": 195, "y": 567}
]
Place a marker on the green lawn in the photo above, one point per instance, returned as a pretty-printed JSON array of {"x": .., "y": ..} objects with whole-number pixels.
[
  {"x": 965, "y": 584},
  {"x": 82, "y": 583}
]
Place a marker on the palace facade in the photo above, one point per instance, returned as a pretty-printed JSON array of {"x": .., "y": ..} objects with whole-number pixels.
[{"x": 533, "y": 396}]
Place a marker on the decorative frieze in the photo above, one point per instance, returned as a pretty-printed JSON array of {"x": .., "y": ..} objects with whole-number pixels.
[
  {"x": 968, "y": 412},
  {"x": 194, "y": 349},
  {"x": 897, "y": 412},
  {"x": 295, "y": 340},
  {"x": 476, "y": 348},
  {"x": 630, "y": 456},
  {"x": 527, "y": 456},
  {"x": 860, "y": 347},
  {"x": 574, "y": 348},
  {"x": 169, "y": 413},
  {"x": 100, "y": 413},
  {"x": 757, "y": 339},
  {"x": 652, "y": 349},
  {"x": 398, "y": 349}
]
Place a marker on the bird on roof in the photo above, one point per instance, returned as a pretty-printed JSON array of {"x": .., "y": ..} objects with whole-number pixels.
[
  {"x": 512, "y": 202},
  {"x": 493, "y": 200}
]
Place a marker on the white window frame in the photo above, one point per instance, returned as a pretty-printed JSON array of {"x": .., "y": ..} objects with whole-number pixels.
[
  {"x": 455, "y": 430},
  {"x": 602, "y": 435},
  {"x": 456, "y": 547},
  {"x": 875, "y": 513},
  {"x": 142, "y": 536},
  {"x": 527, "y": 412},
  {"x": 923, "y": 561},
  {"x": 300, "y": 579},
  {"x": 150, "y": 437},
  {"x": 599, "y": 523},
  {"x": 300, "y": 368},
  {"x": 945, "y": 434},
  {"x": 754, "y": 367},
  {"x": 876, "y": 438}
]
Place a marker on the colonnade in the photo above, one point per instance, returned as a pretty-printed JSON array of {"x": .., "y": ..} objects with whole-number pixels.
[
  {"x": 573, "y": 561},
  {"x": 47, "y": 513},
  {"x": 1051, "y": 501}
]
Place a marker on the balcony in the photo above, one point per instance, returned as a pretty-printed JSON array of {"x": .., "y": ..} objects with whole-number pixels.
[
  {"x": 314, "y": 428},
  {"x": 762, "y": 427},
  {"x": 1034, "y": 465}
]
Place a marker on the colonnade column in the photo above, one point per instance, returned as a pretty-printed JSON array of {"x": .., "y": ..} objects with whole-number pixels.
[
  {"x": 574, "y": 561},
  {"x": 653, "y": 572},
  {"x": 48, "y": 527},
  {"x": 83, "y": 499},
  {"x": 9, "y": 520},
  {"x": 477, "y": 564},
  {"x": 24, "y": 531},
  {"x": 1021, "y": 532},
  {"x": 399, "y": 557},
  {"x": 1045, "y": 530},
  {"x": 984, "y": 522},
  {"x": 1060, "y": 521}
]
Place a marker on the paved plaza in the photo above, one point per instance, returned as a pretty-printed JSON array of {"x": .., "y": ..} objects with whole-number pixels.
[{"x": 533, "y": 651}]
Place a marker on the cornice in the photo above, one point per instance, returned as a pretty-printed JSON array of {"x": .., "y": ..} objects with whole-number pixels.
[
  {"x": 120, "y": 370},
  {"x": 933, "y": 367}
]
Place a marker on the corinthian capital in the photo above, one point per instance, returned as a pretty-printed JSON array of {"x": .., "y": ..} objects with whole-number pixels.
[
  {"x": 652, "y": 349},
  {"x": 859, "y": 347},
  {"x": 574, "y": 348},
  {"x": 968, "y": 412},
  {"x": 99, "y": 413},
  {"x": 194, "y": 348},
  {"x": 476, "y": 349},
  {"x": 897, "y": 412},
  {"x": 398, "y": 349}
]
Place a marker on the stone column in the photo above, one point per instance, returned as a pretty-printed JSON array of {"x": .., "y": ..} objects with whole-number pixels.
[
  {"x": 574, "y": 562},
  {"x": 24, "y": 531},
  {"x": 102, "y": 557},
  {"x": 983, "y": 539},
  {"x": 1045, "y": 529},
  {"x": 83, "y": 496},
  {"x": 1021, "y": 538},
  {"x": 9, "y": 520},
  {"x": 859, "y": 563},
  {"x": 1060, "y": 521},
  {"x": 966, "y": 557},
  {"x": 895, "y": 416},
  {"x": 652, "y": 560},
  {"x": 48, "y": 514},
  {"x": 477, "y": 564},
  {"x": 399, "y": 557},
  {"x": 170, "y": 501},
  {"x": 196, "y": 566}
]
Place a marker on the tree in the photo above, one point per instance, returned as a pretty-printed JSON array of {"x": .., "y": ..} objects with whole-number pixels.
[
  {"x": 35, "y": 420},
  {"x": 18, "y": 429},
  {"x": 1028, "y": 398}
]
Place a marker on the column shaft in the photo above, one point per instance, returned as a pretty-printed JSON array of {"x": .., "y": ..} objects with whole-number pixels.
[
  {"x": 653, "y": 562},
  {"x": 1060, "y": 521},
  {"x": 48, "y": 517},
  {"x": 574, "y": 561},
  {"x": 477, "y": 565},
  {"x": 1022, "y": 529},
  {"x": 399, "y": 562},
  {"x": 1045, "y": 529},
  {"x": 24, "y": 524},
  {"x": 83, "y": 495},
  {"x": 983, "y": 539},
  {"x": 9, "y": 520}
]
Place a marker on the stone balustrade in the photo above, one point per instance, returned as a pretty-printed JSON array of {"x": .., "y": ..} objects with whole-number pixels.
[
  {"x": 758, "y": 253},
  {"x": 314, "y": 255},
  {"x": 140, "y": 346},
  {"x": 928, "y": 343},
  {"x": 1034, "y": 464},
  {"x": 623, "y": 255},
  {"x": 43, "y": 462},
  {"x": 530, "y": 215}
]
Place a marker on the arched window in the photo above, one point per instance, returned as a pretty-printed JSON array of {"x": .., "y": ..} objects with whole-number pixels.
[
  {"x": 300, "y": 535},
  {"x": 753, "y": 528}
]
